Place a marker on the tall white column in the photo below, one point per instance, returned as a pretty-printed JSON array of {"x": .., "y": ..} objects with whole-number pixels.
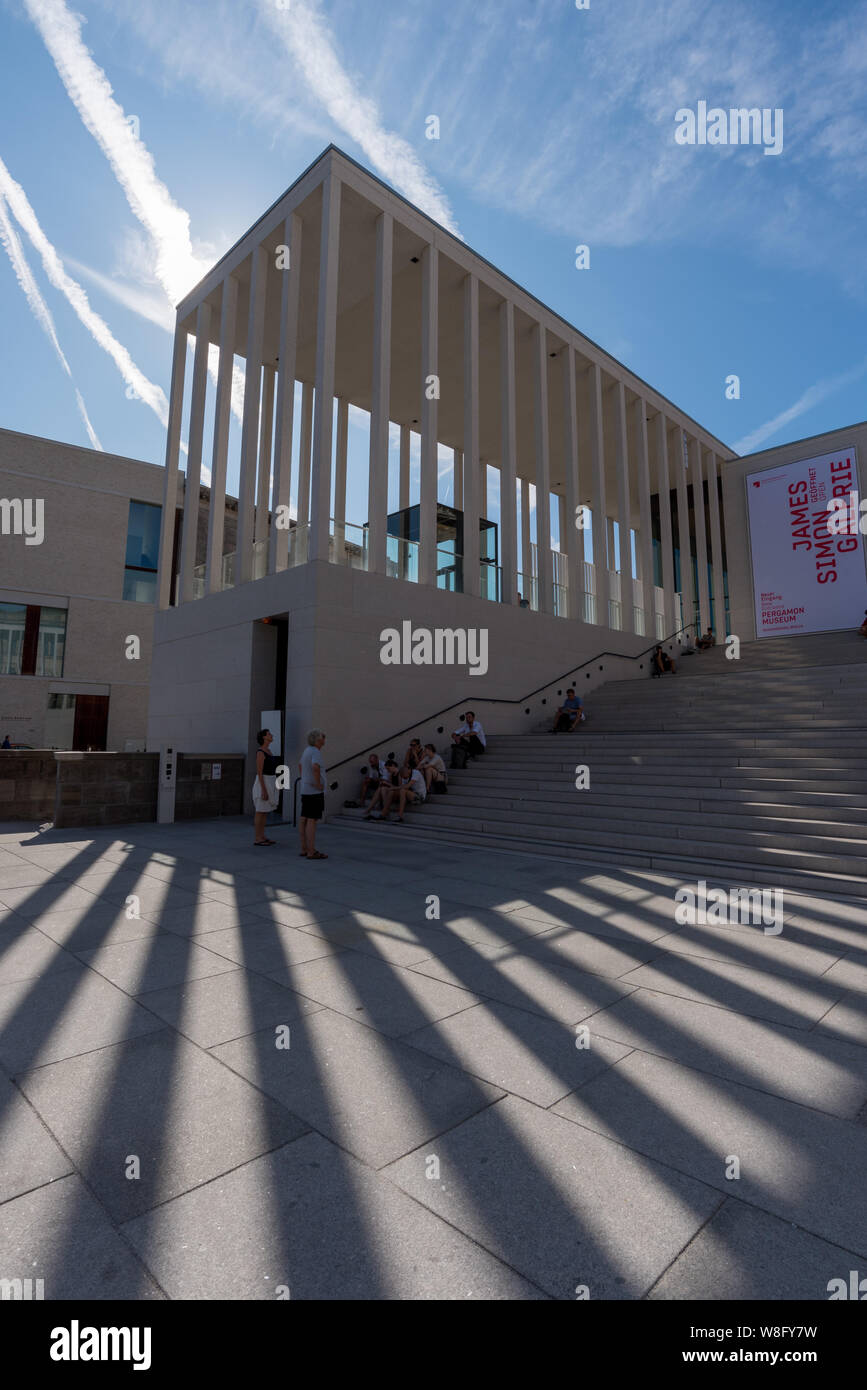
[
  {"x": 598, "y": 501},
  {"x": 687, "y": 585},
  {"x": 285, "y": 417},
  {"x": 266, "y": 438},
  {"x": 543, "y": 467},
  {"x": 697, "y": 476},
  {"x": 458, "y": 480},
  {"x": 526, "y": 557},
  {"x": 217, "y": 512},
  {"x": 571, "y": 539},
  {"x": 405, "y": 442},
  {"x": 326, "y": 350},
  {"x": 377, "y": 507},
  {"x": 173, "y": 446},
  {"x": 509, "y": 455},
  {"x": 624, "y": 509},
  {"x": 719, "y": 602},
  {"x": 250, "y": 426},
  {"x": 340, "y": 462},
  {"x": 305, "y": 444},
  {"x": 427, "y": 560},
  {"x": 644, "y": 548},
  {"x": 250, "y": 438},
  {"x": 190, "y": 530},
  {"x": 471, "y": 466},
  {"x": 663, "y": 485}
]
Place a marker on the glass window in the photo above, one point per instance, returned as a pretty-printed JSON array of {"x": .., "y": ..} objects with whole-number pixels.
[
  {"x": 13, "y": 619},
  {"x": 51, "y": 643},
  {"x": 140, "y": 586},
  {"x": 143, "y": 536}
]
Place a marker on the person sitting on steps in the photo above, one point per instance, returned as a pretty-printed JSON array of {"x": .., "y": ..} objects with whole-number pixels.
[
  {"x": 662, "y": 662},
  {"x": 569, "y": 715}
]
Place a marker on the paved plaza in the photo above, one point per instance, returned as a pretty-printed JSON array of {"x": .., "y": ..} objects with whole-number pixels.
[{"x": 230, "y": 1073}]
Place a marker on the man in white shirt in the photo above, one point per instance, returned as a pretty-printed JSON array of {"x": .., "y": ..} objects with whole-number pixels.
[
  {"x": 312, "y": 771},
  {"x": 471, "y": 735},
  {"x": 432, "y": 767},
  {"x": 374, "y": 776},
  {"x": 412, "y": 788}
]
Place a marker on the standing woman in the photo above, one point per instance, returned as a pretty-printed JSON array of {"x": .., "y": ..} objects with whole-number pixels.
[{"x": 265, "y": 786}]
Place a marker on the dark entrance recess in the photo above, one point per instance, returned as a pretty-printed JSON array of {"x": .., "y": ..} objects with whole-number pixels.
[{"x": 91, "y": 723}]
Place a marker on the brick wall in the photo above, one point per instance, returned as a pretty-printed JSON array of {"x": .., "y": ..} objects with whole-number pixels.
[
  {"x": 106, "y": 788},
  {"x": 27, "y": 785}
]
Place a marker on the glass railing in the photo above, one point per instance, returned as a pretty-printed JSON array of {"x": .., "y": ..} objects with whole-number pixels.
[
  {"x": 561, "y": 601},
  {"x": 638, "y": 621},
  {"x": 401, "y": 559},
  {"x": 528, "y": 591},
  {"x": 348, "y": 545},
  {"x": 198, "y": 581},
  {"x": 491, "y": 582},
  {"x": 449, "y": 570}
]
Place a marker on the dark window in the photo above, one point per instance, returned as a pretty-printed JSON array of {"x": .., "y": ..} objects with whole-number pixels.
[
  {"x": 13, "y": 620},
  {"x": 32, "y": 640},
  {"x": 142, "y": 553}
]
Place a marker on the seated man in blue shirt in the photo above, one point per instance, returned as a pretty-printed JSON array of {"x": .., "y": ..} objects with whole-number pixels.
[{"x": 568, "y": 715}]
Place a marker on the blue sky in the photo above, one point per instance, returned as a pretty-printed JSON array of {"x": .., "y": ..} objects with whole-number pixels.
[{"x": 557, "y": 128}]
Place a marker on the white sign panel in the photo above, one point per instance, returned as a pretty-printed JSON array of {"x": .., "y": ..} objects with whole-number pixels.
[{"x": 805, "y": 578}]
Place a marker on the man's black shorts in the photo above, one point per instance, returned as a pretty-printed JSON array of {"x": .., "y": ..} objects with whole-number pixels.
[{"x": 313, "y": 806}]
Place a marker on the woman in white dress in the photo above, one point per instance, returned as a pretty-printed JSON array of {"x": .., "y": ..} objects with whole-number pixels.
[{"x": 265, "y": 786}]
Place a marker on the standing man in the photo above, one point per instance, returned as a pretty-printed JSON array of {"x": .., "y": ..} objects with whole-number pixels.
[{"x": 312, "y": 772}]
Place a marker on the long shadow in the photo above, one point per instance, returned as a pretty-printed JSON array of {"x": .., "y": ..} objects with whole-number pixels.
[{"x": 504, "y": 1139}]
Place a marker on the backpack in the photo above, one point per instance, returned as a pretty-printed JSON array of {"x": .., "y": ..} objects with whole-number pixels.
[
  {"x": 440, "y": 787},
  {"x": 459, "y": 755}
]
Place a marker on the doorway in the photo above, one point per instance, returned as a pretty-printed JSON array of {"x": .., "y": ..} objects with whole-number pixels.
[{"x": 90, "y": 730}]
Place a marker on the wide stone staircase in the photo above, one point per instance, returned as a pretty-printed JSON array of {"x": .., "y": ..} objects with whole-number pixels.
[{"x": 754, "y": 768}]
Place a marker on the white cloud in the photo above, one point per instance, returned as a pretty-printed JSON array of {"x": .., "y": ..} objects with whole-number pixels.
[
  {"x": 303, "y": 30},
  {"x": 38, "y": 307},
  {"x": 17, "y": 200},
  {"x": 810, "y": 398}
]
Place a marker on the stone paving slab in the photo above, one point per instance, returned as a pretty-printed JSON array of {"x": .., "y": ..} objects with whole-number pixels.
[
  {"x": 186, "y": 1118},
  {"x": 29, "y": 1155},
  {"x": 103, "y": 924},
  {"x": 137, "y": 966},
  {"x": 827, "y": 1074},
  {"x": 25, "y": 954},
  {"x": 744, "y": 1253},
  {"x": 592, "y": 954},
  {"x": 846, "y": 1020},
  {"x": 321, "y": 1225},
  {"x": 755, "y": 993},
  {"x": 61, "y": 1234},
  {"x": 22, "y": 875},
  {"x": 387, "y": 997},
  {"x": 579, "y": 911},
  {"x": 751, "y": 947},
  {"x": 46, "y": 1020},
  {"x": 53, "y": 895},
  {"x": 372, "y": 1095},
  {"x": 266, "y": 947},
  {"x": 562, "y": 1209},
  {"x": 554, "y": 991},
  {"x": 796, "y": 1163},
  {"x": 218, "y": 1008},
  {"x": 381, "y": 938},
  {"x": 527, "y": 1055}
]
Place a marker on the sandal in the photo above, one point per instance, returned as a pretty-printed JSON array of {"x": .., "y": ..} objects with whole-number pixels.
[
  {"x": 317, "y": 855},
  {"x": 264, "y": 842}
]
